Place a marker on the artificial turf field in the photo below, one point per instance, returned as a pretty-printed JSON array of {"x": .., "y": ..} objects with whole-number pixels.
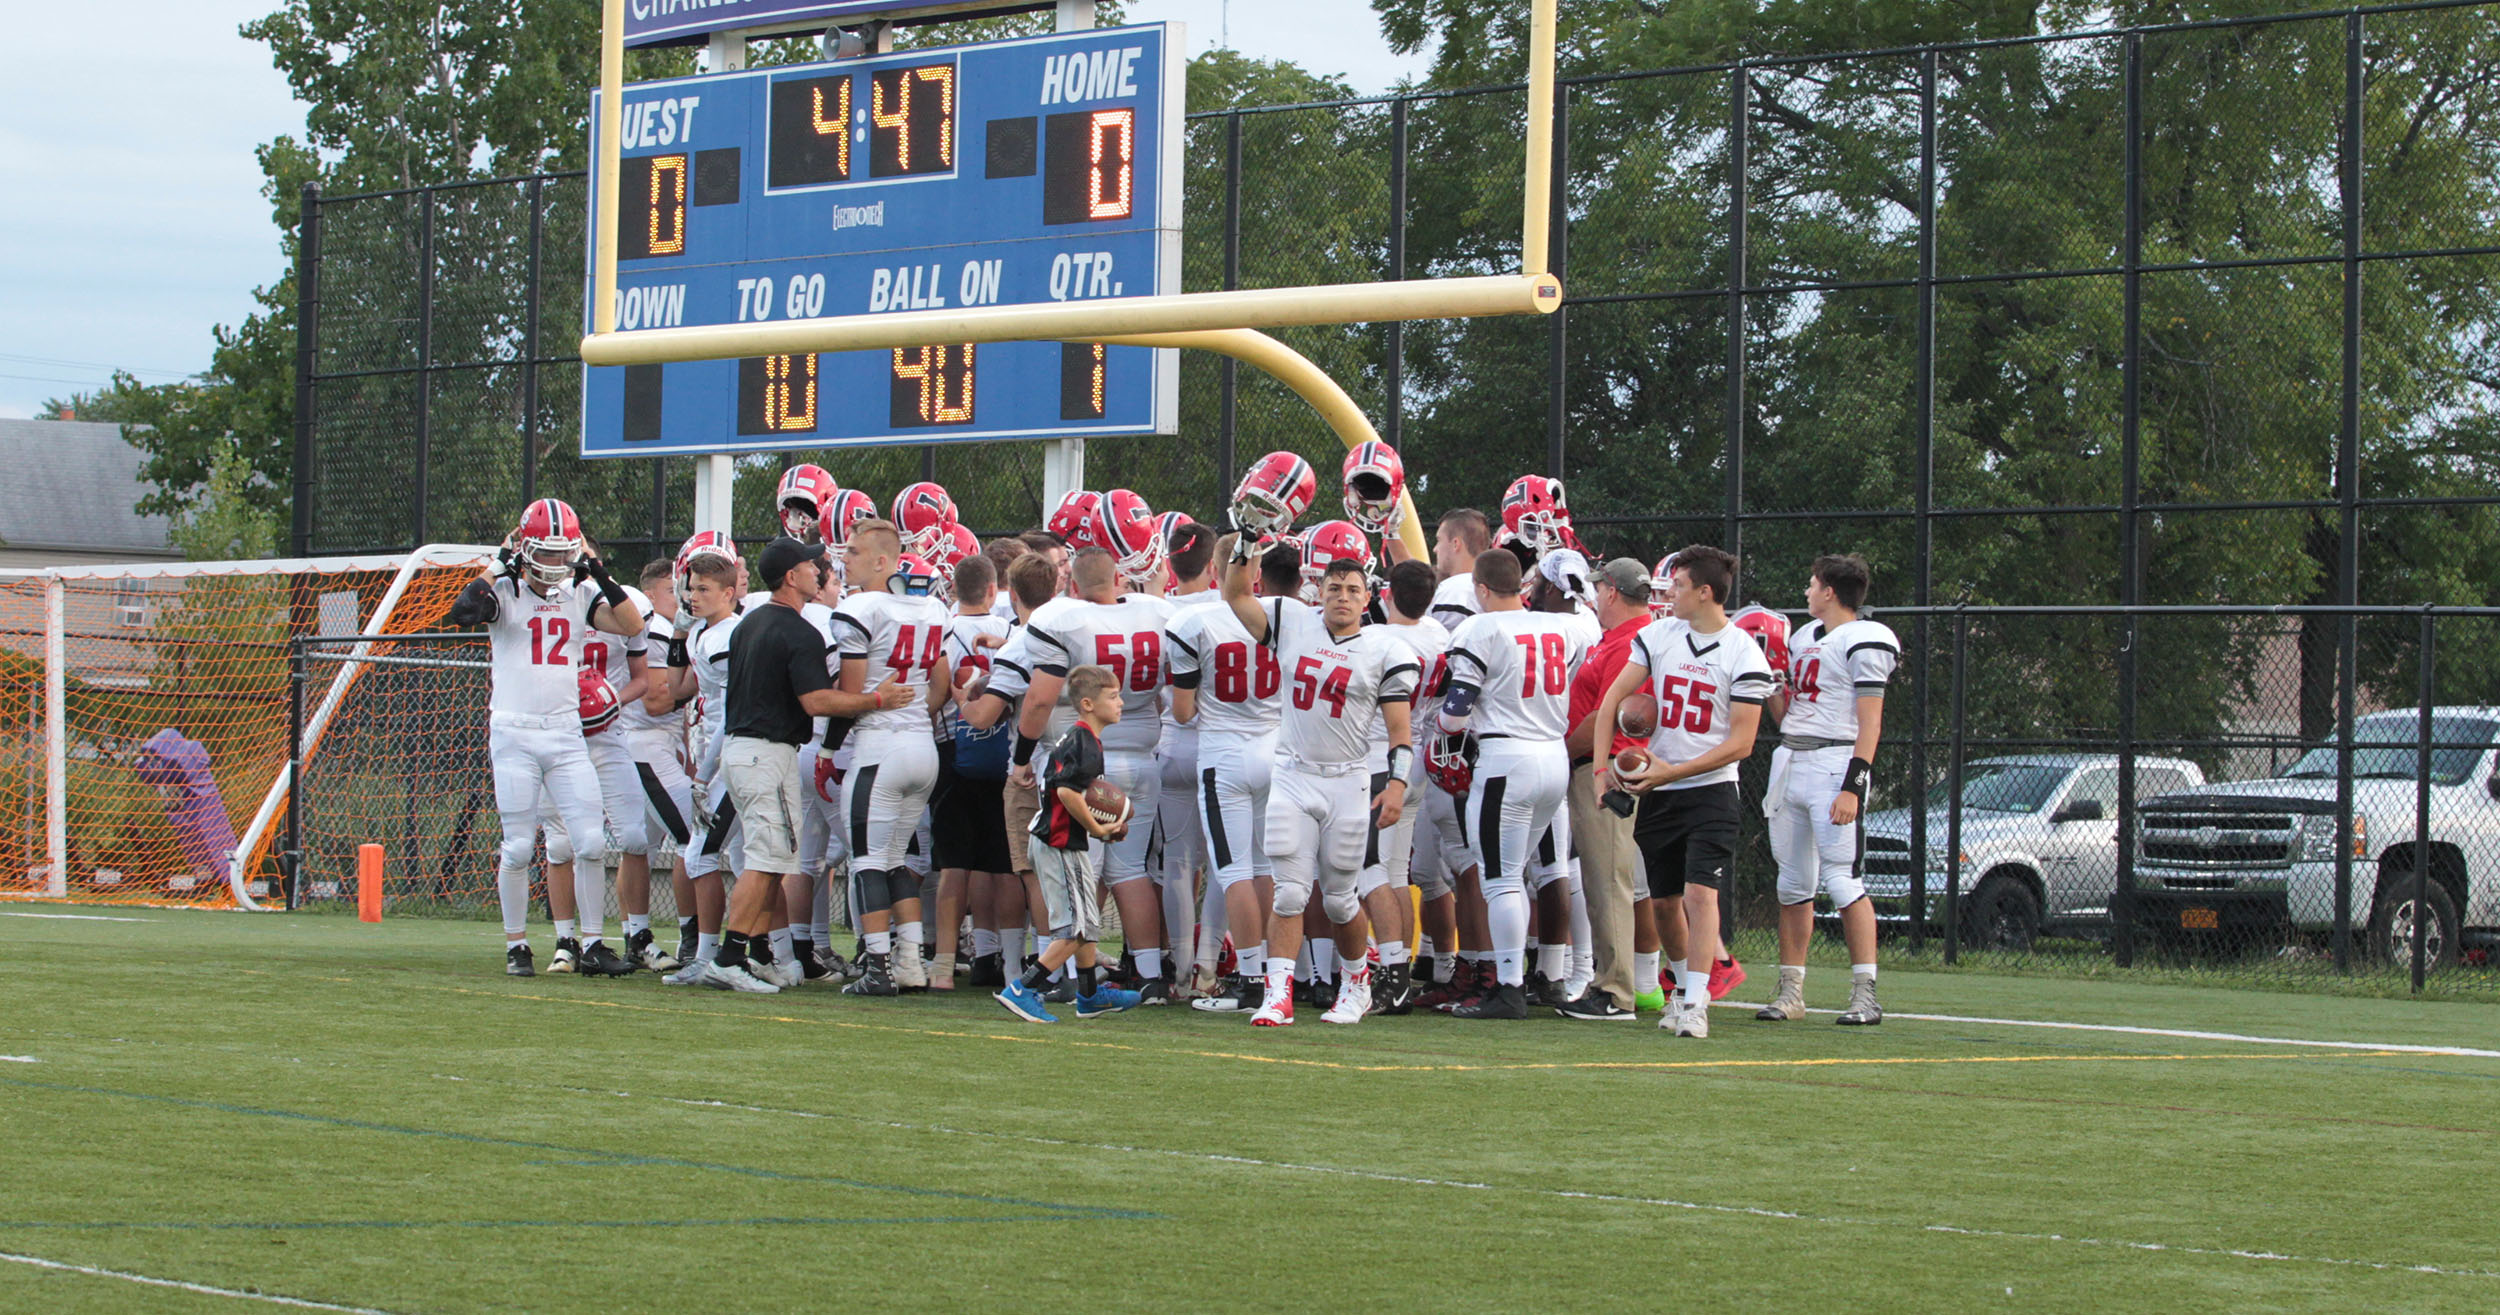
[{"x": 375, "y": 1118}]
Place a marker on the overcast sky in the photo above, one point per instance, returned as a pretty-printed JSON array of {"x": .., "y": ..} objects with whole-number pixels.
[{"x": 135, "y": 221}]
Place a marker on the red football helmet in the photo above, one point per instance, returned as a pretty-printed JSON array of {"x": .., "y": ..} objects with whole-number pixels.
[
  {"x": 1769, "y": 629},
  {"x": 1327, "y": 542},
  {"x": 912, "y": 576},
  {"x": 1661, "y": 579},
  {"x": 550, "y": 539},
  {"x": 804, "y": 494},
  {"x": 1123, "y": 523},
  {"x": 922, "y": 512},
  {"x": 1274, "y": 494},
  {"x": 1073, "y": 520},
  {"x": 1533, "y": 510},
  {"x": 958, "y": 544},
  {"x": 1169, "y": 525},
  {"x": 713, "y": 543},
  {"x": 1374, "y": 481},
  {"x": 1450, "y": 761},
  {"x": 843, "y": 514},
  {"x": 599, "y": 704}
]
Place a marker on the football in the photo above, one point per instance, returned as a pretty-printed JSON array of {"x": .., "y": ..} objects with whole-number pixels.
[
  {"x": 1107, "y": 801},
  {"x": 970, "y": 681},
  {"x": 1631, "y": 762},
  {"x": 1637, "y": 715}
]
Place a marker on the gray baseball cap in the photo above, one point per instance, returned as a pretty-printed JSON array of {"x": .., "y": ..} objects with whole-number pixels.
[{"x": 1630, "y": 578}]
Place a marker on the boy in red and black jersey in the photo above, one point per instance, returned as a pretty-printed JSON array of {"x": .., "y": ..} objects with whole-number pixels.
[{"x": 1064, "y": 831}]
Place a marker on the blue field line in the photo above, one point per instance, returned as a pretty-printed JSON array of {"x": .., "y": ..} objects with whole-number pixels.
[
  {"x": 315, "y": 1225},
  {"x": 590, "y": 1153}
]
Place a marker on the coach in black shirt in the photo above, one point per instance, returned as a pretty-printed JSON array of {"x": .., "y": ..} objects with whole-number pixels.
[{"x": 778, "y": 682}]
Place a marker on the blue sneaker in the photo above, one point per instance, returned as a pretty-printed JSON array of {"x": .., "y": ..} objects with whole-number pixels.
[
  {"x": 1025, "y": 1003},
  {"x": 1104, "y": 1000}
]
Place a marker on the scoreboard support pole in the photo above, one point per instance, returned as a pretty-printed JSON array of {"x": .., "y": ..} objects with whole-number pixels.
[
  {"x": 1312, "y": 383},
  {"x": 1063, "y": 462},
  {"x": 716, "y": 474}
]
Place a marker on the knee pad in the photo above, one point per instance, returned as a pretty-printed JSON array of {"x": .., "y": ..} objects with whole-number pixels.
[
  {"x": 559, "y": 846},
  {"x": 632, "y": 837},
  {"x": 1796, "y": 885},
  {"x": 1369, "y": 880},
  {"x": 1843, "y": 884},
  {"x": 1340, "y": 906},
  {"x": 1504, "y": 883},
  {"x": 1291, "y": 899},
  {"x": 517, "y": 851},
  {"x": 876, "y": 890}
]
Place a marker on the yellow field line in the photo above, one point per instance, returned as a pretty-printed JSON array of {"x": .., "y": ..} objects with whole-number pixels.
[{"x": 1030, "y": 1039}]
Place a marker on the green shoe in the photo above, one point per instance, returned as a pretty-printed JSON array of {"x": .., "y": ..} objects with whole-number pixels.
[{"x": 1650, "y": 1002}]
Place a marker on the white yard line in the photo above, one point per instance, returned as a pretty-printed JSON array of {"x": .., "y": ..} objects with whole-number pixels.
[
  {"x": 70, "y": 917},
  {"x": 1669, "y": 1203},
  {"x": 205, "y": 1289},
  {"x": 2468, "y": 1052}
]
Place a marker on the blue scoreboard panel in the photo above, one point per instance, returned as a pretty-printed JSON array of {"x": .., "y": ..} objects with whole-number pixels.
[{"x": 1038, "y": 170}]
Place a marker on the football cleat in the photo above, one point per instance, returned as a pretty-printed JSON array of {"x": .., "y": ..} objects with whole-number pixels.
[
  {"x": 1354, "y": 998},
  {"x": 517, "y": 961},
  {"x": 567, "y": 956},
  {"x": 1236, "y": 995},
  {"x": 1025, "y": 1003},
  {"x": 1500, "y": 1002},
  {"x": 600, "y": 961},
  {"x": 875, "y": 981},
  {"x": 690, "y": 973},
  {"x": 907, "y": 969},
  {"x": 779, "y": 973},
  {"x": 1276, "y": 1006},
  {"x": 643, "y": 950},
  {"x": 1374, "y": 481},
  {"x": 802, "y": 497},
  {"x": 1394, "y": 988},
  {"x": 987, "y": 970},
  {"x": 739, "y": 979},
  {"x": 1790, "y": 1004},
  {"x": 1157, "y": 990},
  {"x": 1862, "y": 1010},
  {"x": 1545, "y": 992}
]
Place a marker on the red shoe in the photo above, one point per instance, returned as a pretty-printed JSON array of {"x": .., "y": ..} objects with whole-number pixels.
[
  {"x": 1474, "y": 982},
  {"x": 1277, "y": 1009},
  {"x": 1725, "y": 976}
]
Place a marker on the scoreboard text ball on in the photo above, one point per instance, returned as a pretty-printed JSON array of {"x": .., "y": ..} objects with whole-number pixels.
[{"x": 1035, "y": 171}]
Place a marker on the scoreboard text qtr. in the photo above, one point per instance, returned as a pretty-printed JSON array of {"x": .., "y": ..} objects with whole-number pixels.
[{"x": 1040, "y": 170}]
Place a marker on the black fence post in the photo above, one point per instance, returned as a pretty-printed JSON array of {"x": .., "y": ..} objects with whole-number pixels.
[
  {"x": 2348, "y": 491},
  {"x": 1228, "y": 428},
  {"x": 307, "y": 363},
  {"x": 1731, "y": 532},
  {"x": 1924, "y": 492},
  {"x": 1558, "y": 249},
  {"x": 2130, "y": 570},
  {"x": 291, "y": 853},
  {"x": 1953, "y": 796},
  {"x": 1395, "y": 366},
  {"x": 529, "y": 345},
  {"x": 425, "y": 359},
  {"x": 2422, "y": 800}
]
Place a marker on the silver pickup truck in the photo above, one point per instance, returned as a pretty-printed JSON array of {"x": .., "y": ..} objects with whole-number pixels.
[
  {"x": 2257, "y": 858},
  {"x": 2039, "y": 846}
]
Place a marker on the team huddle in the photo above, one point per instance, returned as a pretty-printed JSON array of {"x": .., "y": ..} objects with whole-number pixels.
[{"x": 1250, "y": 741}]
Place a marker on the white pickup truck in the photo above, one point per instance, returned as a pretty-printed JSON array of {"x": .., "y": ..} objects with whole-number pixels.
[
  {"x": 2258, "y": 857},
  {"x": 2039, "y": 846}
]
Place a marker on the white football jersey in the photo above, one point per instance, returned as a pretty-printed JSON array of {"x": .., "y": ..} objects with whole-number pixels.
[
  {"x": 1698, "y": 679},
  {"x": 1180, "y": 738},
  {"x": 1521, "y": 663},
  {"x": 1829, "y": 671},
  {"x": 1453, "y": 600},
  {"x": 1125, "y": 636},
  {"x": 1425, "y": 642},
  {"x": 1239, "y": 682},
  {"x": 607, "y": 654},
  {"x": 898, "y": 637},
  {"x": 1333, "y": 686},
  {"x": 537, "y": 642},
  {"x": 657, "y": 630},
  {"x": 965, "y": 652},
  {"x": 708, "y": 649},
  {"x": 1045, "y": 650}
]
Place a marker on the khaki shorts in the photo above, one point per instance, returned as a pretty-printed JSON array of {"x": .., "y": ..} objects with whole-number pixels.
[
  {"x": 763, "y": 781},
  {"x": 1070, "y": 892},
  {"x": 1023, "y": 801}
]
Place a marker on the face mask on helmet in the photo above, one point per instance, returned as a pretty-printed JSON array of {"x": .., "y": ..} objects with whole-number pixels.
[{"x": 1374, "y": 480}]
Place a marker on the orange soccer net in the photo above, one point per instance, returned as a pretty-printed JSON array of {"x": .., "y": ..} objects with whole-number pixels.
[{"x": 145, "y": 710}]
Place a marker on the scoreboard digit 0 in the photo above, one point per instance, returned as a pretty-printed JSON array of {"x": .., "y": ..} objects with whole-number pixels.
[{"x": 1037, "y": 170}]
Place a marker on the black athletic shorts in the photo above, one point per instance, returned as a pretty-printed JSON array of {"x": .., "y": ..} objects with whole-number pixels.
[
  {"x": 1687, "y": 837},
  {"x": 968, "y": 823}
]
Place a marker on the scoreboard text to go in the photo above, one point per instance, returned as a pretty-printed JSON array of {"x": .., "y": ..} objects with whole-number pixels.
[{"x": 1034, "y": 171}]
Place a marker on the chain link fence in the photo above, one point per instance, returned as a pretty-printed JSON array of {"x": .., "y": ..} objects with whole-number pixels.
[{"x": 2175, "y": 317}]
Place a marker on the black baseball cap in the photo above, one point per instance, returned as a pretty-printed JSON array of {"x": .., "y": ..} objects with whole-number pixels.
[{"x": 782, "y": 554}]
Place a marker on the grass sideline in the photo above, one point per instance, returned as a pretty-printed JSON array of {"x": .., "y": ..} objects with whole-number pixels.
[{"x": 373, "y": 1117}]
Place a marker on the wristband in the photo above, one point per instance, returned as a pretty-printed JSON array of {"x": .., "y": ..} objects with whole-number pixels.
[
  {"x": 1401, "y": 762},
  {"x": 1023, "y": 755},
  {"x": 609, "y": 590},
  {"x": 677, "y": 654},
  {"x": 1854, "y": 780}
]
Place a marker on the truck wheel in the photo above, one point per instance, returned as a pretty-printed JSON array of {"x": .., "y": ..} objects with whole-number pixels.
[
  {"x": 2391, "y": 924},
  {"x": 2003, "y": 915}
]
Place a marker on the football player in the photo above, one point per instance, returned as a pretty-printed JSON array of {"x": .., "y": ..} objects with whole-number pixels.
[
  {"x": 1510, "y": 677},
  {"x": 1831, "y": 719},
  {"x": 625, "y": 667},
  {"x": 544, "y": 597},
  {"x": 1230, "y": 687},
  {"x": 713, "y": 581},
  {"x": 900, "y": 631},
  {"x": 968, "y": 817},
  {"x": 1710, "y": 680},
  {"x": 1321, "y": 806},
  {"x": 1389, "y": 855},
  {"x": 655, "y": 729},
  {"x": 1180, "y": 841}
]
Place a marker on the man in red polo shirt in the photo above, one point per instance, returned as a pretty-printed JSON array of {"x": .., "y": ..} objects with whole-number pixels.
[{"x": 1609, "y": 863}]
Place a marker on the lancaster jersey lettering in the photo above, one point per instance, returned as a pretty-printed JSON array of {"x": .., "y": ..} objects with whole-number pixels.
[{"x": 537, "y": 643}]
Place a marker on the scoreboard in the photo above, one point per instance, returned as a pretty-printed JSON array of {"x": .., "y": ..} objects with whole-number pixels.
[{"x": 1038, "y": 170}]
